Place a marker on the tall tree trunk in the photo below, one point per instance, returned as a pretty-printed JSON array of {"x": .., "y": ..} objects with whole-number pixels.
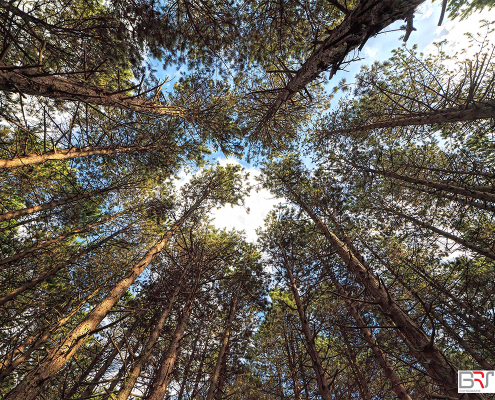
[
  {"x": 30, "y": 81},
  {"x": 52, "y": 204},
  {"x": 323, "y": 387},
  {"x": 291, "y": 361},
  {"x": 487, "y": 328},
  {"x": 68, "y": 154},
  {"x": 109, "y": 359},
  {"x": 199, "y": 374},
  {"x": 381, "y": 358},
  {"x": 31, "y": 250},
  {"x": 448, "y": 115},
  {"x": 33, "y": 383},
  {"x": 167, "y": 363},
  {"x": 187, "y": 369},
  {"x": 86, "y": 372},
  {"x": 143, "y": 358},
  {"x": 34, "y": 342},
  {"x": 223, "y": 347},
  {"x": 469, "y": 245},
  {"x": 434, "y": 362},
  {"x": 351, "y": 356},
  {"x": 366, "y": 20},
  {"x": 32, "y": 283},
  {"x": 472, "y": 193}
]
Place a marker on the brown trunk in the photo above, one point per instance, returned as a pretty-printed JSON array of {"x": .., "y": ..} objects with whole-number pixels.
[
  {"x": 456, "y": 198},
  {"x": 32, "y": 385},
  {"x": 167, "y": 363},
  {"x": 32, "y": 283},
  {"x": 379, "y": 355},
  {"x": 51, "y": 204},
  {"x": 351, "y": 356},
  {"x": 223, "y": 374},
  {"x": 67, "y": 154},
  {"x": 366, "y": 20},
  {"x": 291, "y": 362},
  {"x": 479, "y": 321},
  {"x": 225, "y": 342},
  {"x": 33, "y": 342},
  {"x": 86, "y": 372},
  {"x": 480, "y": 250},
  {"x": 199, "y": 374},
  {"x": 472, "y": 193},
  {"x": 25, "y": 253},
  {"x": 323, "y": 388},
  {"x": 32, "y": 82},
  {"x": 449, "y": 115},
  {"x": 187, "y": 369},
  {"x": 109, "y": 359},
  {"x": 143, "y": 358},
  {"x": 434, "y": 362}
]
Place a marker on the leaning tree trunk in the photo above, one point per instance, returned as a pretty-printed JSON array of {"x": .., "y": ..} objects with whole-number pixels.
[
  {"x": 366, "y": 20},
  {"x": 33, "y": 383},
  {"x": 52, "y": 204},
  {"x": 223, "y": 347},
  {"x": 68, "y": 154},
  {"x": 167, "y": 363},
  {"x": 323, "y": 387},
  {"x": 472, "y": 112},
  {"x": 471, "y": 193},
  {"x": 31, "y": 250},
  {"x": 351, "y": 356},
  {"x": 143, "y": 358},
  {"x": 36, "y": 340},
  {"x": 434, "y": 362},
  {"x": 381, "y": 358},
  {"x": 33, "y": 282}
]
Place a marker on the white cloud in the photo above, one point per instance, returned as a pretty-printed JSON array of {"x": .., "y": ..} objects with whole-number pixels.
[
  {"x": 260, "y": 202},
  {"x": 370, "y": 52},
  {"x": 455, "y": 32},
  {"x": 425, "y": 10}
]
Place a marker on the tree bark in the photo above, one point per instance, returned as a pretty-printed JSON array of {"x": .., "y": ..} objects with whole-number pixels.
[
  {"x": 351, "y": 355},
  {"x": 223, "y": 347},
  {"x": 52, "y": 204},
  {"x": 472, "y": 193},
  {"x": 366, "y": 20},
  {"x": 188, "y": 369},
  {"x": 32, "y": 82},
  {"x": 379, "y": 355},
  {"x": 323, "y": 387},
  {"x": 33, "y": 383},
  {"x": 167, "y": 363},
  {"x": 449, "y": 115},
  {"x": 143, "y": 358},
  {"x": 469, "y": 245},
  {"x": 25, "y": 253},
  {"x": 33, "y": 282},
  {"x": 33, "y": 342},
  {"x": 68, "y": 154},
  {"x": 434, "y": 362}
]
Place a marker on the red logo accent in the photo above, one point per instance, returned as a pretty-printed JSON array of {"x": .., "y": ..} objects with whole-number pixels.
[{"x": 479, "y": 380}]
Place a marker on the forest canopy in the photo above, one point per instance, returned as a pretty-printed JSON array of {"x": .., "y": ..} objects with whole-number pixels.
[{"x": 373, "y": 276}]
